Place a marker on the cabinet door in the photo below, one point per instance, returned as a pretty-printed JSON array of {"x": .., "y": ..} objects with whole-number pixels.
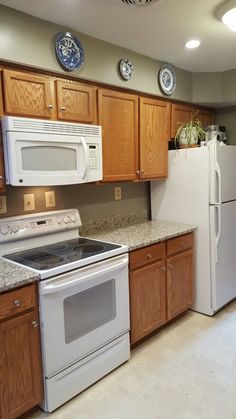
[
  {"x": 147, "y": 299},
  {"x": 27, "y": 94},
  {"x": 20, "y": 365},
  {"x": 180, "y": 114},
  {"x": 154, "y": 136},
  {"x": 179, "y": 283},
  {"x": 206, "y": 116},
  {"x": 118, "y": 116},
  {"x": 76, "y": 102}
]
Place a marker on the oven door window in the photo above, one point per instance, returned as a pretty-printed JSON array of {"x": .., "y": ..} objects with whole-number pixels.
[{"x": 88, "y": 310}]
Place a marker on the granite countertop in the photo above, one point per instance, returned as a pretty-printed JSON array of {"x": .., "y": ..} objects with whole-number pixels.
[
  {"x": 140, "y": 234},
  {"x": 13, "y": 276}
]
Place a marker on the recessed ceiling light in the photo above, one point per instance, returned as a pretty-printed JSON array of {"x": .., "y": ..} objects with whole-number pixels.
[
  {"x": 227, "y": 14},
  {"x": 194, "y": 43}
]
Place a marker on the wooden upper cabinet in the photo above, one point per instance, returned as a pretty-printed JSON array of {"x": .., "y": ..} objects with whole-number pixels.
[
  {"x": 154, "y": 136},
  {"x": 27, "y": 94},
  {"x": 206, "y": 116},
  {"x": 118, "y": 116},
  {"x": 76, "y": 102},
  {"x": 180, "y": 114}
]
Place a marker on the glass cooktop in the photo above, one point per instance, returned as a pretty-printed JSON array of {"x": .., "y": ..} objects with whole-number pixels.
[{"x": 61, "y": 253}]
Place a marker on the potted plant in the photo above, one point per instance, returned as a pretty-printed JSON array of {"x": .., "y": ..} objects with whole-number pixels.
[{"x": 189, "y": 133}]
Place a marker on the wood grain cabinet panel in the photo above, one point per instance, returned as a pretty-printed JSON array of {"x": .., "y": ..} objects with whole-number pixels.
[
  {"x": 20, "y": 362},
  {"x": 27, "y": 94},
  {"x": 148, "y": 299},
  {"x": 154, "y": 136},
  {"x": 76, "y": 102},
  {"x": 180, "y": 114},
  {"x": 206, "y": 116},
  {"x": 118, "y": 116},
  {"x": 179, "y": 283}
]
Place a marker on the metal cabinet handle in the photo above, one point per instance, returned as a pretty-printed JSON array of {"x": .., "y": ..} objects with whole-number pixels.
[
  {"x": 149, "y": 256},
  {"x": 35, "y": 324},
  {"x": 63, "y": 108},
  {"x": 17, "y": 303},
  {"x": 50, "y": 107}
]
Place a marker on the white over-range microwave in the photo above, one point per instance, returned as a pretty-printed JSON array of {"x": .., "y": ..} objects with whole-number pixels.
[{"x": 40, "y": 152}]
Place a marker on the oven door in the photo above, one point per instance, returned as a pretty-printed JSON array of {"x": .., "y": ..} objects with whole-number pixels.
[{"x": 83, "y": 310}]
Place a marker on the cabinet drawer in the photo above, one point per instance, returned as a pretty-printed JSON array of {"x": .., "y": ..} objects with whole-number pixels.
[
  {"x": 17, "y": 301},
  {"x": 179, "y": 244},
  {"x": 146, "y": 255}
]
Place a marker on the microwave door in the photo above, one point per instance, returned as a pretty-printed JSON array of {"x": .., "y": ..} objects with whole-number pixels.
[{"x": 38, "y": 161}]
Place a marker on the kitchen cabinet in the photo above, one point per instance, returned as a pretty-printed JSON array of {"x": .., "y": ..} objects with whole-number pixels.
[
  {"x": 27, "y": 94},
  {"x": 20, "y": 355},
  {"x": 179, "y": 275},
  {"x": 147, "y": 290},
  {"x": 76, "y": 102},
  {"x": 206, "y": 116},
  {"x": 118, "y": 116},
  {"x": 154, "y": 136},
  {"x": 180, "y": 114},
  {"x": 161, "y": 284},
  {"x": 2, "y": 177}
]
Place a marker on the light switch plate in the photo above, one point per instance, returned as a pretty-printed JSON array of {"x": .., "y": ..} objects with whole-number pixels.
[
  {"x": 117, "y": 193},
  {"x": 29, "y": 204},
  {"x": 3, "y": 204},
  {"x": 50, "y": 199}
]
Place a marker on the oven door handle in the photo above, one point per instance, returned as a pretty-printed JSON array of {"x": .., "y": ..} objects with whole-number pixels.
[{"x": 50, "y": 289}]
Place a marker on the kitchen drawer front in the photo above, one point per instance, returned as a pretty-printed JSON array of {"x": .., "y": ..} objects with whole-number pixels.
[
  {"x": 17, "y": 301},
  {"x": 179, "y": 244},
  {"x": 147, "y": 255}
]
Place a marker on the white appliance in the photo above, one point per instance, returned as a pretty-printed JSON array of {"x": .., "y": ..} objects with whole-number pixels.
[
  {"x": 201, "y": 190},
  {"x": 84, "y": 299},
  {"x": 39, "y": 152}
]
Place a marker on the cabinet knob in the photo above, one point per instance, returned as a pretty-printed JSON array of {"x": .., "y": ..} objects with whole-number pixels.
[
  {"x": 1, "y": 177},
  {"x": 137, "y": 172},
  {"x": 35, "y": 324},
  {"x": 163, "y": 268},
  {"x": 141, "y": 172},
  {"x": 17, "y": 303},
  {"x": 149, "y": 256},
  {"x": 63, "y": 108},
  {"x": 50, "y": 107},
  {"x": 171, "y": 266}
]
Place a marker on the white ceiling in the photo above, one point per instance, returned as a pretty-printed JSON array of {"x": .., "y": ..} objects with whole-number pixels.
[{"x": 159, "y": 31}]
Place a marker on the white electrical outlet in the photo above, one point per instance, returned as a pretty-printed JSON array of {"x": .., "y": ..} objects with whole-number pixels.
[
  {"x": 50, "y": 199},
  {"x": 3, "y": 204},
  {"x": 117, "y": 193},
  {"x": 29, "y": 204}
]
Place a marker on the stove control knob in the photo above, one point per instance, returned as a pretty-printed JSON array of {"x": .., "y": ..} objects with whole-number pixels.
[
  {"x": 66, "y": 219},
  {"x": 59, "y": 220},
  {"x": 4, "y": 228},
  {"x": 73, "y": 218},
  {"x": 15, "y": 228}
]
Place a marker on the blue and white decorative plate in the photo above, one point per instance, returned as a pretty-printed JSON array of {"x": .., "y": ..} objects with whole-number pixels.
[
  {"x": 126, "y": 68},
  {"x": 69, "y": 51},
  {"x": 167, "y": 79}
]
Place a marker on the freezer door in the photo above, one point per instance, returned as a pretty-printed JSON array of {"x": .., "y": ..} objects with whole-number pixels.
[
  {"x": 222, "y": 173},
  {"x": 223, "y": 253}
]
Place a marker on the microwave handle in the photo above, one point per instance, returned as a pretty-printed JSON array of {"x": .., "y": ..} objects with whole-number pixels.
[{"x": 86, "y": 157}]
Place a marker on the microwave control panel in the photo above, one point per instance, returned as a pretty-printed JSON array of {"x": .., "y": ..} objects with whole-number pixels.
[{"x": 93, "y": 156}]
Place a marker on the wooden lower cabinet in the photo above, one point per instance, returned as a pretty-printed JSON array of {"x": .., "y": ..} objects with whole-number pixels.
[
  {"x": 20, "y": 358},
  {"x": 161, "y": 278}
]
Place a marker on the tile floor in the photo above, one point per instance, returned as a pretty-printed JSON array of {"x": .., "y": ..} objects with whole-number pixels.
[{"x": 187, "y": 371}]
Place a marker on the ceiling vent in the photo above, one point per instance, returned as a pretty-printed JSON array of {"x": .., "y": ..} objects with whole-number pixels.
[{"x": 140, "y": 2}]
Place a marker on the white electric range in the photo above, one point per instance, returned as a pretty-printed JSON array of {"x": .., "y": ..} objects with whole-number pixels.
[{"x": 83, "y": 295}]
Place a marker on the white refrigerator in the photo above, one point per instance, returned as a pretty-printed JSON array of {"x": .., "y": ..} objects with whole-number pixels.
[{"x": 201, "y": 190}]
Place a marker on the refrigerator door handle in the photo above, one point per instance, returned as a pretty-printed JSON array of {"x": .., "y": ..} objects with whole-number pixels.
[
  {"x": 218, "y": 176},
  {"x": 218, "y": 231}
]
